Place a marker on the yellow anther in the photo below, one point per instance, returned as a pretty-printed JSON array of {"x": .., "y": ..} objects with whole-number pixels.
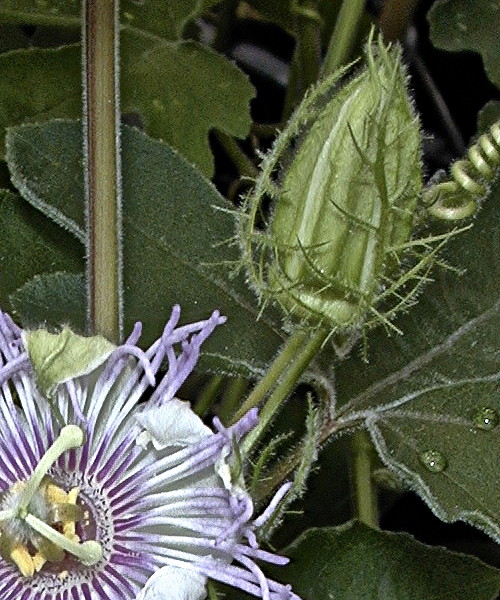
[
  {"x": 55, "y": 494},
  {"x": 38, "y": 561},
  {"x": 62, "y": 575},
  {"x": 23, "y": 560},
  {"x": 73, "y": 495},
  {"x": 17, "y": 486}
]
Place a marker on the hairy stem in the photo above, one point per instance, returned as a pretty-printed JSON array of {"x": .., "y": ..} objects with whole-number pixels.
[
  {"x": 282, "y": 377},
  {"x": 364, "y": 489},
  {"x": 101, "y": 127}
]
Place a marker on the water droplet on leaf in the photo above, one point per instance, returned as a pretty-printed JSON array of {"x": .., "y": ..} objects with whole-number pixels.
[
  {"x": 486, "y": 418},
  {"x": 158, "y": 104},
  {"x": 433, "y": 461}
]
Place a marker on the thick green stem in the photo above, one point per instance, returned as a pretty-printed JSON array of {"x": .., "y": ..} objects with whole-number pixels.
[
  {"x": 283, "y": 376},
  {"x": 306, "y": 60},
  {"x": 344, "y": 36},
  {"x": 102, "y": 166},
  {"x": 364, "y": 489},
  {"x": 276, "y": 370},
  {"x": 225, "y": 27},
  {"x": 208, "y": 395},
  {"x": 234, "y": 392}
]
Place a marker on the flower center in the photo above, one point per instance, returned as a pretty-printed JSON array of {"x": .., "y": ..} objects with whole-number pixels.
[{"x": 38, "y": 518}]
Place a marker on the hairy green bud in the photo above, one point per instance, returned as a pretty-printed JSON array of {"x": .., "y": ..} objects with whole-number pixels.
[{"x": 342, "y": 211}]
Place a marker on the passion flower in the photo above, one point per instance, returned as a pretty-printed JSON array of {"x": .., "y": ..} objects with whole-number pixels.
[{"x": 106, "y": 498}]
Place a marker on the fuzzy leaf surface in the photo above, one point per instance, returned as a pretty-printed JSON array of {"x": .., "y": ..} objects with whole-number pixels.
[
  {"x": 355, "y": 562},
  {"x": 468, "y": 25},
  {"x": 31, "y": 244},
  {"x": 180, "y": 91},
  {"x": 52, "y": 299},
  {"x": 175, "y": 237},
  {"x": 429, "y": 389}
]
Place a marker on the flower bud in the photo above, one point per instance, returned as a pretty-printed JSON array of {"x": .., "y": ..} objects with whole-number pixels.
[{"x": 342, "y": 212}]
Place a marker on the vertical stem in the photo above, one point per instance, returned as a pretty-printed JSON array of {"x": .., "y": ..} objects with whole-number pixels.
[
  {"x": 344, "y": 35},
  {"x": 208, "y": 396},
  {"x": 306, "y": 60},
  {"x": 101, "y": 127},
  {"x": 365, "y": 493}
]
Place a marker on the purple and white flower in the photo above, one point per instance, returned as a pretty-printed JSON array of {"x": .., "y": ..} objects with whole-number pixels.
[{"x": 104, "y": 497}]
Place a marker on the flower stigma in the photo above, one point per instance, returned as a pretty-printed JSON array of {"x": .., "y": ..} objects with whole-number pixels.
[{"x": 26, "y": 538}]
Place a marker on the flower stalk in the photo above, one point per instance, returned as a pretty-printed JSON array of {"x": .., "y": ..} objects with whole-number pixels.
[
  {"x": 364, "y": 488},
  {"x": 281, "y": 379}
]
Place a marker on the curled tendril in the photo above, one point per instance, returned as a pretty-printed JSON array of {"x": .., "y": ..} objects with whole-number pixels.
[{"x": 458, "y": 197}]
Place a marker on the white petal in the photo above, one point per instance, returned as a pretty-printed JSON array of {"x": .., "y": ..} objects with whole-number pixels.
[
  {"x": 172, "y": 583},
  {"x": 173, "y": 424},
  {"x": 223, "y": 469}
]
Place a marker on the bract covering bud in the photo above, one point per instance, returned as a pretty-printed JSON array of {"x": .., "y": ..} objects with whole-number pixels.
[{"x": 342, "y": 211}]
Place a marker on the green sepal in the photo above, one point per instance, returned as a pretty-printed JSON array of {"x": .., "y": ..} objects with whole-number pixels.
[
  {"x": 344, "y": 208},
  {"x": 59, "y": 357}
]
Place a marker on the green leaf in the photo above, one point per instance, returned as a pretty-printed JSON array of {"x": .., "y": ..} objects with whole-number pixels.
[
  {"x": 355, "y": 562},
  {"x": 468, "y": 25},
  {"x": 41, "y": 12},
  {"x": 12, "y": 38},
  {"x": 31, "y": 244},
  {"x": 157, "y": 17},
  {"x": 425, "y": 397},
  {"x": 51, "y": 299},
  {"x": 180, "y": 90},
  {"x": 177, "y": 234},
  {"x": 38, "y": 85}
]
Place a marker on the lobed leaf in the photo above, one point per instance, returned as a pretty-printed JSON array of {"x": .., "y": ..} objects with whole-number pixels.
[
  {"x": 430, "y": 398},
  {"x": 164, "y": 19},
  {"x": 52, "y": 299},
  {"x": 31, "y": 244},
  {"x": 180, "y": 91}
]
